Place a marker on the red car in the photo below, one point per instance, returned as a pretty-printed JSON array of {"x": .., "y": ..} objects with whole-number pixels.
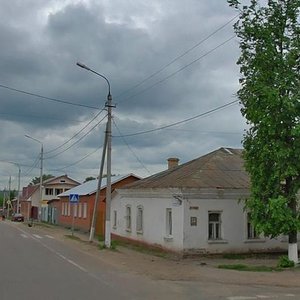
[{"x": 17, "y": 218}]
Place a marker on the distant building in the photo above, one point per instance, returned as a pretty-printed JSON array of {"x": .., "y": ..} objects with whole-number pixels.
[{"x": 83, "y": 211}]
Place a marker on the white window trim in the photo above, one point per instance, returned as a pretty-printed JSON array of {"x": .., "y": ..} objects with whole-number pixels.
[
  {"x": 220, "y": 239},
  {"x": 140, "y": 230},
  {"x": 128, "y": 217},
  {"x": 169, "y": 224}
]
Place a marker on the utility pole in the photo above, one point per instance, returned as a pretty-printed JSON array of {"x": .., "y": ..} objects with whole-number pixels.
[
  {"x": 41, "y": 183},
  {"x": 109, "y": 106},
  {"x": 108, "y": 182},
  {"x": 41, "y": 174},
  {"x": 8, "y": 202},
  {"x": 94, "y": 217}
]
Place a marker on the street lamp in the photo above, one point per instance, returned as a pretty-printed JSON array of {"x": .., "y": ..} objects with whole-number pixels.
[
  {"x": 109, "y": 106},
  {"x": 41, "y": 171},
  {"x": 19, "y": 179}
]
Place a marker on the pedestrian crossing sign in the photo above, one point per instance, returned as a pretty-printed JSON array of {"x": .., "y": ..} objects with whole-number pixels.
[{"x": 74, "y": 198}]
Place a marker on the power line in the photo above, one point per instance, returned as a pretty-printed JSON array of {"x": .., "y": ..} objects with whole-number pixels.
[
  {"x": 78, "y": 161},
  {"x": 77, "y": 140},
  {"x": 46, "y": 98},
  {"x": 179, "y": 70},
  {"x": 124, "y": 140},
  {"x": 178, "y": 57},
  {"x": 41, "y": 117},
  {"x": 58, "y": 147},
  {"x": 180, "y": 122}
]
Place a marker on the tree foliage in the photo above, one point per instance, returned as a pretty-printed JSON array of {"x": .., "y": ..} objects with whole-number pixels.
[
  {"x": 36, "y": 180},
  {"x": 269, "y": 34},
  {"x": 89, "y": 178}
]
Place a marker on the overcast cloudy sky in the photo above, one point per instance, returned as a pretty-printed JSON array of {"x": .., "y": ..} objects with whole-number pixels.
[{"x": 161, "y": 70}]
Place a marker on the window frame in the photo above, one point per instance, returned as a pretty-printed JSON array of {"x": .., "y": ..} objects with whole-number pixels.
[
  {"x": 215, "y": 227},
  {"x": 128, "y": 217},
  {"x": 169, "y": 222},
  {"x": 139, "y": 219}
]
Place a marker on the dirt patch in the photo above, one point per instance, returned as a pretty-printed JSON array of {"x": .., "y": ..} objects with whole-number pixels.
[{"x": 179, "y": 269}]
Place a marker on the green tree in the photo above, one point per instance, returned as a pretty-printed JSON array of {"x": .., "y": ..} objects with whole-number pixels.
[
  {"x": 36, "y": 180},
  {"x": 269, "y": 34},
  {"x": 89, "y": 178}
]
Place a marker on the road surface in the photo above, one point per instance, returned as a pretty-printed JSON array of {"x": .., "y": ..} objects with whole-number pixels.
[{"x": 36, "y": 265}]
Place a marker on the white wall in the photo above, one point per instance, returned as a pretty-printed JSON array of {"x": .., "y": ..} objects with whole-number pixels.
[
  {"x": 233, "y": 226},
  {"x": 154, "y": 218},
  {"x": 187, "y": 238}
]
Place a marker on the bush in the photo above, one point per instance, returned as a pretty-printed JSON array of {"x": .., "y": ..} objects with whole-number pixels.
[{"x": 284, "y": 262}]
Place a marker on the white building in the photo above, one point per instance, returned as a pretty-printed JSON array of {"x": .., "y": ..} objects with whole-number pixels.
[{"x": 197, "y": 207}]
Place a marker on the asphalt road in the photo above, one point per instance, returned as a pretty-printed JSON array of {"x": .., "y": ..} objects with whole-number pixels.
[{"x": 35, "y": 265}]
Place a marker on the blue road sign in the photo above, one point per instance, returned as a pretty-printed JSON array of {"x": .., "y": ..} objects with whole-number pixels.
[{"x": 74, "y": 198}]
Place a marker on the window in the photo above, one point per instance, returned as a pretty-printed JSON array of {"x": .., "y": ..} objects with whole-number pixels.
[
  {"x": 193, "y": 221},
  {"x": 251, "y": 232},
  {"x": 79, "y": 210},
  {"x": 84, "y": 210},
  {"x": 128, "y": 218},
  {"x": 69, "y": 209},
  {"x": 139, "y": 219},
  {"x": 75, "y": 209},
  {"x": 63, "y": 209},
  {"x": 115, "y": 219},
  {"x": 48, "y": 191},
  {"x": 214, "y": 226},
  {"x": 58, "y": 191},
  {"x": 169, "y": 229}
]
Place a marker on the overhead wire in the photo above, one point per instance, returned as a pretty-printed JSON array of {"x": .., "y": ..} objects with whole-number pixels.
[
  {"x": 179, "y": 122},
  {"x": 76, "y": 134},
  {"x": 80, "y": 160},
  {"x": 179, "y": 70},
  {"x": 178, "y": 57},
  {"x": 77, "y": 141},
  {"x": 131, "y": 150},
  {"x": 47, "y": 98}
]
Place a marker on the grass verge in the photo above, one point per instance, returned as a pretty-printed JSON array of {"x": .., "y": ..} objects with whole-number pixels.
[{"x": 242, "y": 267}]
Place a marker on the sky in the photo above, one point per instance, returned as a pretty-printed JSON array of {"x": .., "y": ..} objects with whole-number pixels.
[{"x": 172, "y": 70}]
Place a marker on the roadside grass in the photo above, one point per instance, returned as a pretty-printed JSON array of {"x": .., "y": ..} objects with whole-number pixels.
[
  {"x": 136, "y": 247},
  {"x": 242, "y": 267}
]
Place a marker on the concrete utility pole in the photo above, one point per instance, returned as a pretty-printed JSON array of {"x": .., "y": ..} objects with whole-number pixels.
[
  {"x": 8, "y": 202},
  {"x": 109, "y": 106},
  {"x": 93, "y": 224},
  {"x": 41, "y": 173}
]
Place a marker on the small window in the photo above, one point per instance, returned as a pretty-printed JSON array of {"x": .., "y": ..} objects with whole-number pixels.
[
  {"x": 79, "y": 210},
  {"x": 75, "y": 210},
  {"x": 193, "y": 221},
  {"x": 128, "y": 218},
  {"x": 251, "y": 232},
  {"x": 169, "y": 229},
  {"x": 115, "y": 219},
  {"x": 62, "y": 181},
  {"x": 69, "y": 209},
  {"x": 139, "y": 219},
  {"x": 214, "y": 226},
  {"x": 84, "y": 210},
  {"x": 48, "y": 191},
  {"x": 58, "y": 191}
]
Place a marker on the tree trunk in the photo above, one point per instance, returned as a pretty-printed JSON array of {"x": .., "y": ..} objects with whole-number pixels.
[{"x": 293, "y": 247}]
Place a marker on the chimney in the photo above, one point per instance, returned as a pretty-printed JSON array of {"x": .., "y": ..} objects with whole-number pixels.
[{"x": 172, "y": 162}]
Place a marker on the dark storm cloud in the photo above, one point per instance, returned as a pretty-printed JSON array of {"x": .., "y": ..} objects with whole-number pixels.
[{"x": 126, "y": 41}]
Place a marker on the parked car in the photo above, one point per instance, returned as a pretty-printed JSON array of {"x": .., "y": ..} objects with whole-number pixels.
[{"x": 17, "y": 218}]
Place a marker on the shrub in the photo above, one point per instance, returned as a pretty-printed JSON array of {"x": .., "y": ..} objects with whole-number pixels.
[{"x": 284, "y": 262}]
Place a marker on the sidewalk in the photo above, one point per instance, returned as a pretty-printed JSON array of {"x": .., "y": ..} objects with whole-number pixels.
[{"x": 204, "y": 269}]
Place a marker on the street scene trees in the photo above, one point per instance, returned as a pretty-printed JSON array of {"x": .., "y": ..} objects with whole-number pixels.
[{"x": 269, "y": 63}]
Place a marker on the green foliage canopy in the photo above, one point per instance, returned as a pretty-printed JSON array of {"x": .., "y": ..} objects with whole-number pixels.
[{"x": 269, "y": 34}]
